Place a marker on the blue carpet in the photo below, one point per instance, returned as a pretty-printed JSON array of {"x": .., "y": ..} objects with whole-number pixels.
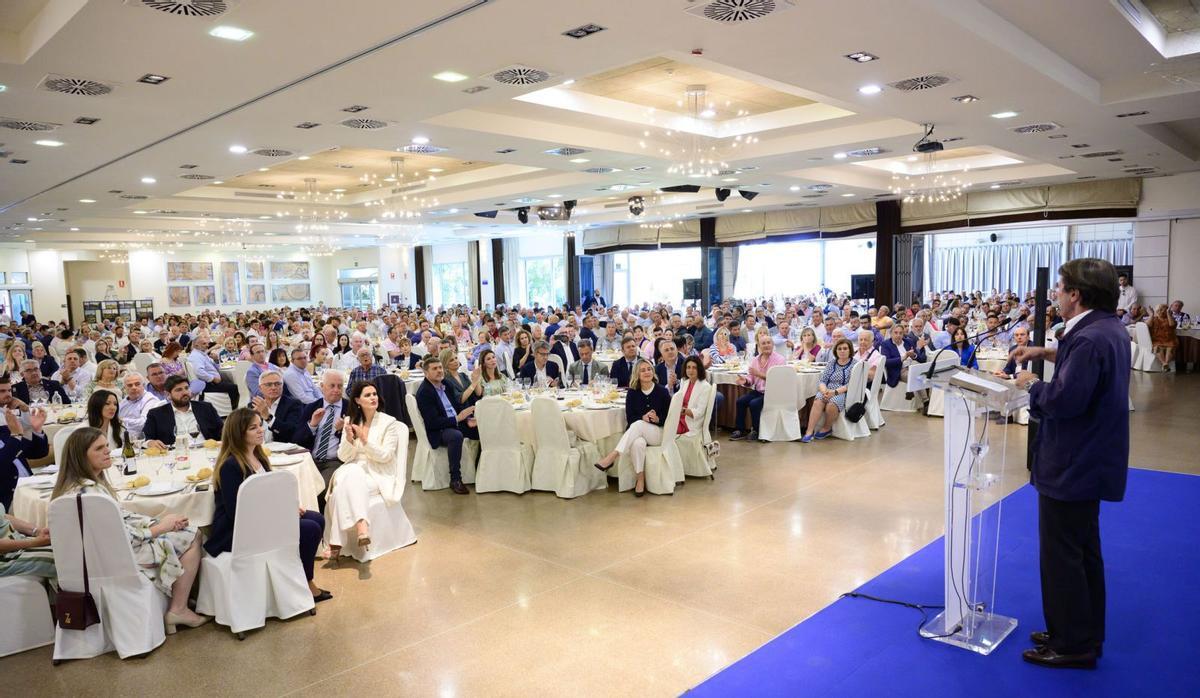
[{"x": 861, "y": 648}]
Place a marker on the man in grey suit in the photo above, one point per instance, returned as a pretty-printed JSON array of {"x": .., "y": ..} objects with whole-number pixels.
[{"x": 584, "y": 370}]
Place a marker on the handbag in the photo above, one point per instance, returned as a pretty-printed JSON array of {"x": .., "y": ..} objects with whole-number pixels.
[
  {"x": 76, "y": 610},
  {"x": 856, "y": 411},
  {"x": 713, "y": 449}
]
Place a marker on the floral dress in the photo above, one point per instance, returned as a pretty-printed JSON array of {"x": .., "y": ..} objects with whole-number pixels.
[
  {"x": 34, "y": 562},
  {"x": 157, "y": 557},
  {"x": 835, "y": 376}
]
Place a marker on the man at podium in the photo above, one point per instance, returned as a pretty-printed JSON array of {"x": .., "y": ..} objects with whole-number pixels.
[{"x": 1081, "y": 456}]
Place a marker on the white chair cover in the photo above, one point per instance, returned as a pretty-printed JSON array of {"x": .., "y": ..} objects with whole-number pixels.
[
  {"x": 664, "y": 467},
  {"x": 240, "y": 369},
  {"x": 937, "y": 396},
  {"x": 131, "y": 608},
  {"x": 431, "y": 466},
  {"x": 857, "y": 388},
  {"x": 780, "y": 419},
  {"x": 874, "y": 416},
  {"x": 893, "y": 398},
  {"x": 1147, "y": 361},
  {"x": 505, "y": 464},
  {"x": 24, "y": 615},
  {"x": 262, "y": 577},
  {"x": 557, "y": 467},
  {"x": 1135, "y": 355},
  {"x": 390, "y": 526},
  {"x": 141, "y": 361},
  {"x": 692, "y": 451},
  {"x": 562, "y": 370},
  {"x": 60, "y": 440}
]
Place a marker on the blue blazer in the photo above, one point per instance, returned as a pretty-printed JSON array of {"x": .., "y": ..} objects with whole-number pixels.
[
  {"x": 48, "y": 366},
  {"x": 160, "y": 422},
  {"x": 14, "y": 449},
  {"x": 638, "y": 404},
  {"x": 894, "y": 361},
  {"x": 620, "y": 372},
  {"x": 434, "y": 415},
  {"x": 529, "y": 371},
  {"x": 303, "y": 436},
  {"x": 287, "y": 419},
  {"x": 220, "y": 536},
  {"x": 660, "y": 372},
  {"x": 966, "y": 357},
  {"x": 1081, "y": 451}
]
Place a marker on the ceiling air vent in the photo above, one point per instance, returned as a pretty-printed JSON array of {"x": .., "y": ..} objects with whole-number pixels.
[
  {"x": 702, "y": 207},
  {"x": 1037, "y": 128},
  {"x": 134, "y": 197},
  {"x": 566, "y": 150},
  {"x": 365, "y": 124},
  {"x": 23, "y": 125},
  {"x": 75, "y": 86},
  {"x": 820, "y": 187},
  {"x": 425, "y": 149},
  {"x": 921, "y": 82},
  {"x": 187, "y": 8},
  {"x": 812, "y": 196},
  {"x": 600, "y": 170},
  {"x": 1103, "y": 154},
  {"x": 519, "y": 75},
  {"x": 198, "y": 177},
  {"x": 866, "y": 152},
  {"x": 272, "y": 152},
  {"x": 734, "y": 11}
]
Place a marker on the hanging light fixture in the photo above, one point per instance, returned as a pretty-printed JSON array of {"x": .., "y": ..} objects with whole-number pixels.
[
  {"x": 925, "y": 179},
  {"x": 691, "y": 154}
]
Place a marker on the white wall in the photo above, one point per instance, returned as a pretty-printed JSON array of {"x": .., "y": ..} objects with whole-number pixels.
[
  {"x": 1151, "y": 250},
  {"x": 1177, "y": 196},
  {"x": 1184, "y": 281},
  {"x": 49, "y": 285},
  {"x": 89, "y": 281},
  {"x": 396, "y": 274}
]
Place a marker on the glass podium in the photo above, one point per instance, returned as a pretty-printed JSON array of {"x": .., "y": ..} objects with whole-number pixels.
[{"x": 974, "y": 458}]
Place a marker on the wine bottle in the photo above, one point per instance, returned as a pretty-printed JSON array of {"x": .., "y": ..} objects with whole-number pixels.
[{"x": 128, "y": 457}]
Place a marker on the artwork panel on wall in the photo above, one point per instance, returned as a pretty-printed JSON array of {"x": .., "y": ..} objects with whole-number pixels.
[
  {"x": 231, "y": 284},
  {"x": 254, "y": 271},
  {"x": 283, "y": 271},
  {"x": 179, "y": 296},
  {"x": 189, "y": 271},
  {"x": 290, "y": 293},
  {"x": 206, "y": 295},
  {"x": 256, "y": 294}
]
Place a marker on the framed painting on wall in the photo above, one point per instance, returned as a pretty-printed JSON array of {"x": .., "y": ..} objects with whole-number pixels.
[
  {"x": 282, "y": 271},
  {"x": 179, "y": 296},
  {"x": 256, "y": 293},
  {"x": 189, "y": 271},
  {"x": 289, "y": 293},
  {"x": 254, "y": 271},
  {"x": 206, "y": 295},
  {"x": 231, "y": 284}
]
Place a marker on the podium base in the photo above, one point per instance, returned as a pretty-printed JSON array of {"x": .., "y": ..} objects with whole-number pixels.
[{"x": 980, "y": 632}]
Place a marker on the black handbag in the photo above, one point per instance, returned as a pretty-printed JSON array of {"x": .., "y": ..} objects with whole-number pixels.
[{"x": 76, "y": 610}]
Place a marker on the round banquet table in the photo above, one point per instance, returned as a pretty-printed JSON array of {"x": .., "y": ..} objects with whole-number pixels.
[
  {"x": 727, "y": 382},
  {"x": 595, "y": 425},
  {"x": 31, "y": 502},
  {"x": 1188, "y": 351},
  {"x": 992, "y": 361}
]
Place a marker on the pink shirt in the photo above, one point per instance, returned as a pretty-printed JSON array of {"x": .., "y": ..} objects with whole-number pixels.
[{"x": 772, "y": 359}]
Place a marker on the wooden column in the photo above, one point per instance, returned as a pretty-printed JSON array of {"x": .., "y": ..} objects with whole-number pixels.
[
  {"x": 419, "y": 273},
  {"x": 887, "y": 214},
  {"x": 572, "y": 273},
  {"x": 498, "y": 270}
]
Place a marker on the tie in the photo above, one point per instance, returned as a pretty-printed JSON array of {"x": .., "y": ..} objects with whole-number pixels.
[
  {"x": 585, "y": 374},
  {"x": 325, "y": 433}
]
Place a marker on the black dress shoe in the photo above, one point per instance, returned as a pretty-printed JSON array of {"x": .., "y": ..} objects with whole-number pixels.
[
  {"x": 1044, "y": 656},
  {"x": 323, "y": 596},
  {"x": 1042, "y": 638},
  {"x": 459, "y": 488}
]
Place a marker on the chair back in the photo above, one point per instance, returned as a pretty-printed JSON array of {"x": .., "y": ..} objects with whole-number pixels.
[
  {"x": 562, "y": 370},
  {"x": 497, "y": 422},
  {"x": 266, "y": 517},
  {"x": 189, "y": 369},
  {"x": 781, "y": 387},
  {"x": 392, "y": 392},
  {"x": 142, "y": 360},
  {"x": 60, "y": 440},
  {"x": 549, "y": 427},
  {"x": 880, "y": 377},
  {"x": 1142, "y": 332},
  {"x": 418, "y": 423},
  {"x": 239, "y": 379},
  {"x": 109, "y": 553},
  {"x": 857, "y": 387}
]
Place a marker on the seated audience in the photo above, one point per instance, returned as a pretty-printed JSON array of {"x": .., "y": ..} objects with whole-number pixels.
[
  {"x": 831, "y": 392},
  {"x": 443, "y": 417},
  {"x": 180, "y": 416},
  {"x": 646, "y": 407}
]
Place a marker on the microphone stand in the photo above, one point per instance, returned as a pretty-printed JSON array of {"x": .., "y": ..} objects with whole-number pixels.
[{"x": 982, "y": 335}]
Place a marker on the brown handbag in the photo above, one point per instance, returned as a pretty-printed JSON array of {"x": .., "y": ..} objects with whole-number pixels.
[{"x": 77, "y": 609}]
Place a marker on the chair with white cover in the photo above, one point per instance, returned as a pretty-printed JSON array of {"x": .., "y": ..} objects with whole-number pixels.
[
  {"x": 1135, "y": 355},
  {"x": 874, "y": 416},
  {"x": 262, "y": 577},
  {"x": 141, "y": 361},
  {"x": 780, "y": 420},
  {"x": 692, "y": 447},
  {"x": 1147, "y": 361},
  {"x": 562, "y": 370},
  {"x": 893, "y": 398},
  {"x": 937, "y": 396},
  {"x": 557, "y": 467},
  {"x": 240, "y": 369},
  {"x": 431, "y": 466},
  {"x": 391, "y": 528},
  {"x": 856, "y": 390},
  {"x": 505, "y": 464},
  {"x": 24, "y": 615},
  {"x": 663, "y": 467},
  {"x": 131, "y": 608},
  {"x": 60, "y": 440}
]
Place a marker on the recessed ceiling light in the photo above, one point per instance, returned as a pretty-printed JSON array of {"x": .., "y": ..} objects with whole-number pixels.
[
  {"x": 304, "y": 157},
  {"x": 746, "y": 210},
  {"x": 87, "y": 201},
  {"x": 436, "y": 170},
  {"x": 453, "y": 210},
  {"x": 420, "y": 140},
  {"x": 567, "y": 83},
  {"x": 870, "y": 90},
  {"x": 32, "y": 220},
  {"x": 49, "y": 143},
  {"x": 847, "y": 195},
  {"x": 965, "y": 99},
  {"x": 148, "y": 180},
  {"x": 450, "y": 76},
  {"x": 3, "y": 88},
  {"x": 152, "y": 79},
  {"x": 862, "y": 57},
  {"x": 794, "y": 187},
  {"x": 730, "y": 179},
  {"x": 995, "y": 186},
  {"x": 140, "y": 212},
  {"x": 264, "y": 218},
  {"x": 839, "y": 156},
  {"x": 238, "y": 149},
  {"x": 554, "y": 196},
  {"x": 74, "y": 230},
  {"x": 1004, "y": 114},
  {"x": 580, "y": 161},
  {"x": 708, "y": 113},
  {"x": 217, "y": 181},
  {"x": 264, "y": 169},
  {"x": 338, "y": 191},
  {"x": 29, "y": 241},
  {"x": 231, "y": 33}
]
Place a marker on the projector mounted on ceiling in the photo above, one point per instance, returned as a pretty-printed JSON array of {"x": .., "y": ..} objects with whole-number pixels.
[{"x": 927, "y": 144}]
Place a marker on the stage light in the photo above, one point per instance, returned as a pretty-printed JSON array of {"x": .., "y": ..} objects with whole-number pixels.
[
  {"x": 747, "y": 195},
  {"x": 637, "y": 205},
  {"x": 722, "y": 194},
  {"x": 523, "y": 214}
]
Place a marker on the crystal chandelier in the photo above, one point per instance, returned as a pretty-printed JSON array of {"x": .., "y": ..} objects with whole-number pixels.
[
  {"x": 924, "y": 179},
  {"x": 407, "y": 205},
  {"x": 693, "y": 155},
  {"x": 314, "y": 219}
]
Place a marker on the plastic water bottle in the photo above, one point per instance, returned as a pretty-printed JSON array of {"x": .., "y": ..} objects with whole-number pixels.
[{"x": 56, "y": 400}]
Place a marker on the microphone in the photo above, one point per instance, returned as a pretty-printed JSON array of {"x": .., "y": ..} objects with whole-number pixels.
[{"x": 970, "y": 340}]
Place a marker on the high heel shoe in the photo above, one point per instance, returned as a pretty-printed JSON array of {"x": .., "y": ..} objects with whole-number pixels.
[
  {"x": 603, "y": 468},
  {"x": 364, "y": 542},
  {"x": 173, "y": 620}
]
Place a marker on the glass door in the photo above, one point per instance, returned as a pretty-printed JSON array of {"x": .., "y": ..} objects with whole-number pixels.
[{"x": 18, "y": 300}]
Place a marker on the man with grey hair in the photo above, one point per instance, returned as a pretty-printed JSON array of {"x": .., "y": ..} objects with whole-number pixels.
[
  {"x": 280, "y": 414},
  {"x": 541, "y": 368},
  {"x": 320, "y": 430},
  {"x": 136, "y": 404},
  {"x": 367, "y": 370},
  {"x": 585, "y": 369}
]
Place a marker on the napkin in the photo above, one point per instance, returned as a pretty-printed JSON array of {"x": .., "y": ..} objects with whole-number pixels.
[{"x": 37, "y": 480}]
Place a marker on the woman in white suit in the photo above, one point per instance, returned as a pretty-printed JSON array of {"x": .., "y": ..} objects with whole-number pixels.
[
  {"x": 695, "y": 393},
  {"x": 373, "y": 458}
]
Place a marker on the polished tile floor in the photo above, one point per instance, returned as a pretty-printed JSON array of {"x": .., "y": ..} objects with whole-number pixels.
[{"x": 608, "y": 594}]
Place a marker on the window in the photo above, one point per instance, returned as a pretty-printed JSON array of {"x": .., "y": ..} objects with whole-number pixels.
[
  {"x": 778, "y": 269},
  {"x": 18, "y": 277},
  {"x": 620, "y": 291},
  {"x": 360, "y": 287},
  {"x": 544, "y": 280},
  {"x": 449, "y": 284},
  {"x": 658, "y": 276},
  {"x": 845, "y": 258}
]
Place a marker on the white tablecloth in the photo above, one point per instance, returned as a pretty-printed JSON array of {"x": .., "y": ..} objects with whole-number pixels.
[
  {"x": 806, "y": 381},
  {"x": 31, "y": 504},
  {"x": 992, "y": 361},
  {"x": 589, "y": 425}
]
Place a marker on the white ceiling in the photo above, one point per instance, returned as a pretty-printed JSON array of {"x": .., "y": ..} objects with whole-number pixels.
[{"x": 1077, "y": 63}]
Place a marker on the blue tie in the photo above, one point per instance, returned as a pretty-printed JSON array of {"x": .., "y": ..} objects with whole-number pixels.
[{"x": 325, "y": 432}]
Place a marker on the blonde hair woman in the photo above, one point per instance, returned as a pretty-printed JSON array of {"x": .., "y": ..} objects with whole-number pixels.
[
  {"x": 106, "y": 379},
  {"x": 721, "y": 351},
  {"x": 13, "y": 356},
  {"x": 646, "y": 406},
  {"x": 166, "y": 549}
]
